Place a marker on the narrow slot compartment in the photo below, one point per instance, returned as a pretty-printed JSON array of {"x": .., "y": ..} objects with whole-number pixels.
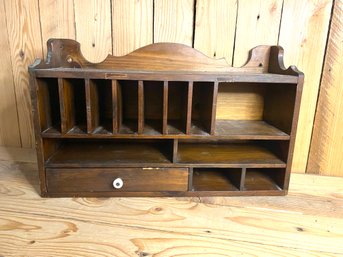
[
  {"x": 264, "y": 179},
  {"x": 226, "y": 153},
  {"x": 177, "y": 107},
  {"x": 49, "y": 105},
  {"x": 127, "y": 106},
  {"x": 217, "y": 179},
  {"x": 153, "y": 107},
  {"x": 202, "y": 108},
  {"x": 112, "y": 152},
  {"x": 100, "y": 106},
  {"x": 73, "y": 106},
  {"x": 255, "y": 110}
]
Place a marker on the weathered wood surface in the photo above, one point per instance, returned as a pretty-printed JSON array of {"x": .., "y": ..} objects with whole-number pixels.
[
  {"x": 307, "y": 222},
  {"x": 305, "y": 47},
  {"x": 24, "y": 37},
  {"x": 327, "y": 138}
]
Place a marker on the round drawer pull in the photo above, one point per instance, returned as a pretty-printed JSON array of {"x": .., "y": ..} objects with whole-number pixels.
[{"x": 118, "y": 183}]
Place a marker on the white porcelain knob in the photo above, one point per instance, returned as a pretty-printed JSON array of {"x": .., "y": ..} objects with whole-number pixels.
[{"x": 118, "y": 183}]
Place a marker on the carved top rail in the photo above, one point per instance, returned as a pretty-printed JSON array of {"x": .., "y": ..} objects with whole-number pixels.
[{"x": 163, "y": 57}]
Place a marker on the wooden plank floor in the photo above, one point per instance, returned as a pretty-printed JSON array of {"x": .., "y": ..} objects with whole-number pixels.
[{"x": 307, "y": 222}]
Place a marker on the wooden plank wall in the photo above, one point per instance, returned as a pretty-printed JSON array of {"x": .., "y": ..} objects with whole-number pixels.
[
  {"x": 327, "y": 142},
  {"x": 219, "y": 28}
]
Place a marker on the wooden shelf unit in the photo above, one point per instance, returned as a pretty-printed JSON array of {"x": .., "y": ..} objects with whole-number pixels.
[{"x": 164, "y": 120}]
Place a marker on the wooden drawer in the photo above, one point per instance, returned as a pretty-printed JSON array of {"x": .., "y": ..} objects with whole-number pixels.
[{"x": 117, "y": 179}]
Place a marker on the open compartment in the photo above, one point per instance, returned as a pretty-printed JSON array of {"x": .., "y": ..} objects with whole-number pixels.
[
  {"x": 216, "y": 179},
  {"x": 73, "y": 106},
  {"x": 178, "y": 100},
  {"x": 203, "y": 108},
  {"x": 101, "y": 111},
  {"x": 264, "y": 179},
  {"x": 49, "y": 105},
  {"x": 255, "y": 110},
  {"x": 232, "y": 153},
  {"x": 127, "y": 91},
  {"x": 153, "y": 107},
  {"x": 112, "y": 153}
]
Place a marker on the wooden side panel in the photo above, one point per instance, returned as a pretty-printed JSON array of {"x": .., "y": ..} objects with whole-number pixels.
[
  {"x": 165, "y": 108},
  {"x": 67, "y": 105},
  {"x": 173, "y": 21},
  {"x": 140, "y": 107},
  {"x": 92, "y": 102},
  {"x": 9, "y": 128},
  {"x": 25, "y": 45},
  {"x": 327, "y": 139},
  {"x": 257, "y": 24},
  {"x": 215, "y": 28},
  {"x": 132, "y": 25},
  {"x": 303, "y": 34},
  {"x": 57, "y": 20},
  {"x": 93, "y": 28}
]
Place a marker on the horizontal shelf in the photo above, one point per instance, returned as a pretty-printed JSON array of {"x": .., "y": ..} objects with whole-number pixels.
[
  {"x": 225, "y": 129},
  {"x": 104, "y": 154},
  {"x": 228, "y": 155},
  {"x": 155, "y": 153},
  {"x": 248, "y": 129},
  {"x": 165, "y": 75}
]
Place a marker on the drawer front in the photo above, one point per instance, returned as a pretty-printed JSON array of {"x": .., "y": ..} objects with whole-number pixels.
[{"x": 117, "y": 179}]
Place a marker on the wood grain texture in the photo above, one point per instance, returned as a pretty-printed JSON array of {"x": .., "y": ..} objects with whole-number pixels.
[
  {"x": 215, "y": 28},
  {"x": 9, "y": 128},
  {"x": 173, "y": 21},
  {"x": 325, "y": 156},
  {"x": 25, "y": 45},
  {"x": 308, "y": 222},
  {"x": 93, "y": 28},
  {"x": 57, "y": 20},
  {"x": 132, "y": 25},
  {"x": 305, "y": 48},
  {"x": 257, "y": 24},
  {"x": 239, "y": 102}
]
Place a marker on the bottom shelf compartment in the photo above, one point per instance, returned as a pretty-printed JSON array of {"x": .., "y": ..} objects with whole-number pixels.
[
  {"x": 236, "y": 179},
  {"x": 216, "y": 179},
  {"x": 264, "y": 179}
]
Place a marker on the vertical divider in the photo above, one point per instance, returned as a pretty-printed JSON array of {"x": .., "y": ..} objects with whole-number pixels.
[
  {"x": 165, "y": 108},
  {"x": 190, "y": 179},
  {"x": 241, "y": 186},
  {"x": 175, "y": 150},
  {"x": 214, "y": 108},
  {"x": 189, "y": 107},
  {"x": 92, "y": 106},
  {"x": 116, "y": 107},
  {"x": 67, "y": 105},
  {"x": 140, "y": 107}
]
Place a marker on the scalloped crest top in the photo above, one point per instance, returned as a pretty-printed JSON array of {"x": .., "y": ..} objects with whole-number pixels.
[{"x": 66, "y": 53}]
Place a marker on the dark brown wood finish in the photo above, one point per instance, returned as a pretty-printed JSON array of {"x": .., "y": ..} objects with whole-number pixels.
[
  {"x": 165, "y": 108},
  {"x": 150, "y": 118},
  {"x": 188, "y": 114},
  {"x": 66, "y": 102},
  {"x": 92, "y": 102},
  {"x": 140, "y": 107},
  {"x": 132, "y": 179},
  {"x": 116, "y": 107}
]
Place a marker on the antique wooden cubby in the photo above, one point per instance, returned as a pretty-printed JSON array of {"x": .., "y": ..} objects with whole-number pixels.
[{"x": 164, "y": 120}]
